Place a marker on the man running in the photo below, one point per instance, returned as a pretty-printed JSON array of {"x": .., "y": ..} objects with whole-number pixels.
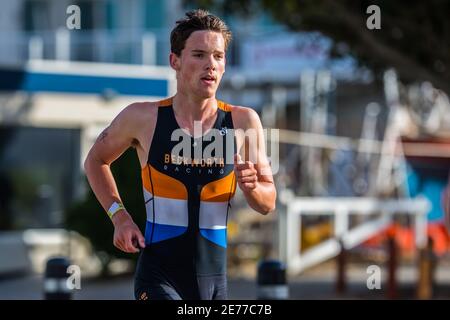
[{"x": 187, "y": 196}]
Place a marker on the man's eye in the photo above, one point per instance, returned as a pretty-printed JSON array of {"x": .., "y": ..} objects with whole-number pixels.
[
  {"x": 219, "y": 57},
  {"x": 198, "y": 55}
]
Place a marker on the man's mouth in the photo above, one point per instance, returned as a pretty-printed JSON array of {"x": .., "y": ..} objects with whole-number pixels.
[{"x": 209, "y": 79}]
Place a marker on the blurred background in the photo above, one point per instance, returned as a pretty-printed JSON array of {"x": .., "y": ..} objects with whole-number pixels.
[{"x": 357, "y": 98}]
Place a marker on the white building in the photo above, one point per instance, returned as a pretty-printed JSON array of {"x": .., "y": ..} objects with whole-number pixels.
[{"x": 50, "y": 114}]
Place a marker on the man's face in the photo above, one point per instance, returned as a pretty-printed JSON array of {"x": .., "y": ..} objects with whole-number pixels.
[{"x": 201, "y": 63}]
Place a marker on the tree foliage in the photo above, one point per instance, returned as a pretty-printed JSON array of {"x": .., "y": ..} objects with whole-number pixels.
[{"x": 414, "y": 37}]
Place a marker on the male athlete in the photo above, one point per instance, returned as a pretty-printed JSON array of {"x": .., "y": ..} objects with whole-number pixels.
[{"x": 187, "y": 197}]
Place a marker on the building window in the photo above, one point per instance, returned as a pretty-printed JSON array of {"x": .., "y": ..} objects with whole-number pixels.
[{"x": 36, "y": 15}]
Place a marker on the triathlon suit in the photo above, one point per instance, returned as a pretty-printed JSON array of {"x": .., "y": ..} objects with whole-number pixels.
[{"x": 187, "y": 200}]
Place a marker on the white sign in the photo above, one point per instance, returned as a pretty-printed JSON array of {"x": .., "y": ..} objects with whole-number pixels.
[{"x": 288, "y": 50}]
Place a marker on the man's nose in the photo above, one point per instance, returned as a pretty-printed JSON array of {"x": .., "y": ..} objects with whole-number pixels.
[{"x": 211, "y": 64}]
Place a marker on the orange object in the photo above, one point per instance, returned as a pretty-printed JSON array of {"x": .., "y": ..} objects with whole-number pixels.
[{"x": 405, "y": 238}]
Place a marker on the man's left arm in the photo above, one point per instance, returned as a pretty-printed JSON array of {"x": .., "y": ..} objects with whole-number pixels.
[{"x": 252, "y": 168}]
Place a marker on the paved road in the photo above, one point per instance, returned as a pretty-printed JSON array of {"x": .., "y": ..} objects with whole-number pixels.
[{"x": 316, "y": 284}]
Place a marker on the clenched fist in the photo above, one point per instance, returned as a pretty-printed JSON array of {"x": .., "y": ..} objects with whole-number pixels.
[
  {"x": 246, "y": 174},
  {"x": 127, "y": 236}
]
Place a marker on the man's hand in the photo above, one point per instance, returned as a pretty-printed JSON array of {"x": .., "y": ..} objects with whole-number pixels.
[
  {"x": 446, "y": 206},
  {"x": 246, "y": 174},
  {"x": 127, "y": 236}
]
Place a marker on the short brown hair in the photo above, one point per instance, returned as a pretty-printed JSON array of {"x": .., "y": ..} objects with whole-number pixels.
[{"x": 197, "y": 20}]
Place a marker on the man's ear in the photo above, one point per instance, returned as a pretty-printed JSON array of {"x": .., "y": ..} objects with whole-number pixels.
[{"x": 174, "y": 61}]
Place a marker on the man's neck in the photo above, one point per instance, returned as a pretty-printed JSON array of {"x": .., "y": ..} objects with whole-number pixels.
[{"x": 192, "y": 109}]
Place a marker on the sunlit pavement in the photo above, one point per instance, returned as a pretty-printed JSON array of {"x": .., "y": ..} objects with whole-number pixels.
[{"x": 316, "y": 284}]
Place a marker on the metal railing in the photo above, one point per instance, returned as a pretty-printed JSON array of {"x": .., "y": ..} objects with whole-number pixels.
[{"x": 290, "y": 225}]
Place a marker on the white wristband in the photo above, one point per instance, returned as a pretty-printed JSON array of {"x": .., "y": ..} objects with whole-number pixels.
[{"x": 115, "y": 207}]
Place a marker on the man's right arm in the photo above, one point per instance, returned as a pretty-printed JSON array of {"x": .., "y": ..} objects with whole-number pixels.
[{"x": 111, "y": 143}]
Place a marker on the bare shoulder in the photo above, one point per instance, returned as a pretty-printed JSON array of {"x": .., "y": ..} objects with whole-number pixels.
[
  {"x": 134, "y": 121},
  {"x": 135, "y": 116},
  {"x": 245, "y": 118},
  {"x": 140, "y": 111}
]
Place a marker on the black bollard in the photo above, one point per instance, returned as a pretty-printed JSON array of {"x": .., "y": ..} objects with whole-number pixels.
[
  {"x": 272, "y": 281},
  {"x": 55, "y": 281}
]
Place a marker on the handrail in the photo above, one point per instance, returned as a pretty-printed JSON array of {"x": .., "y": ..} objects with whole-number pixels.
[{"x": 290, "y": 220}]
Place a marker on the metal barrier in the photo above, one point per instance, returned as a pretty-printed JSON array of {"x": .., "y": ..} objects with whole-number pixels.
[
  {"x": 55, "y": 282},
  {"x": 344, "y": 238},
  {"x": 272, "y": 280}
]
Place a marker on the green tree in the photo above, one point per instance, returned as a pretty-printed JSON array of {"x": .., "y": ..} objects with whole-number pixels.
[
  {"x": 90, "y": 220},
  {"x": 414, "y": 37}
]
